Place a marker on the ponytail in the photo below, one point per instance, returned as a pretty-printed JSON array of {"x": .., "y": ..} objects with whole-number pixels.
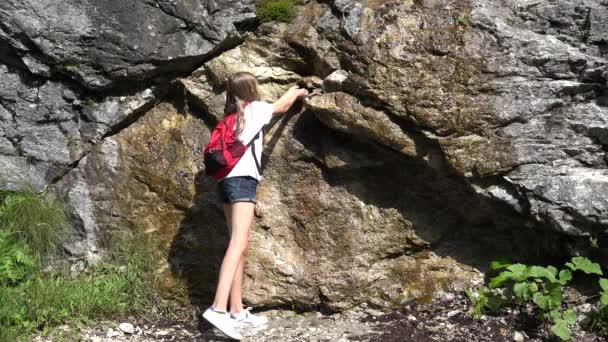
[
  {"x": 239, "y": 124},
  {"x": 241, "y": 89}
]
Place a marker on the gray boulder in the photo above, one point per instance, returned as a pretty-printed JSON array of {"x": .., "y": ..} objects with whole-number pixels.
[{"x": 101, "y": 43}]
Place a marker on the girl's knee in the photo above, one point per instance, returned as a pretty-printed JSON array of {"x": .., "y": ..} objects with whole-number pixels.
[{"x": 239, "y": 245}]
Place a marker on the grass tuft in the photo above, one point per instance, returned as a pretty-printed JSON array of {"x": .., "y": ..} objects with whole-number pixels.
[
  {"x": 33, "y": 219},
  {"x": 275, "y": 10},
  {"x": 33, "y": 301}
]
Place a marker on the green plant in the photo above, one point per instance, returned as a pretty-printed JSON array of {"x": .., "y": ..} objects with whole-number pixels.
[
  {"x": 585, "y": 265},
  {"x": 599, "y": 317},
  {"x": 462, "y": 19},
  {"x": 599, "y": 320},
  {"x": 275, "y": 10},
  {"x": 540, "y": 286},
  {"x": 36, "y": 220},
  {"x": 32, "y": 300},
  {"x": 482, "y": 300},
  {"x": 16, "y": 262},
  {"x": 125, "y": 284},
  {"x": 593, "y": 242},
  {"x": 137, "y": 256}
]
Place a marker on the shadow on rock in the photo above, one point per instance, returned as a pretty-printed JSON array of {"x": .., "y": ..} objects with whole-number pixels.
[{"x": 200, "y": 243}]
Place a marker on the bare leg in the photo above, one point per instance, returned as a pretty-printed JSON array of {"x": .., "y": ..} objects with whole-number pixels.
[
  {"x": 236, "y": 299},
  {"x": 242, "y": 219}
]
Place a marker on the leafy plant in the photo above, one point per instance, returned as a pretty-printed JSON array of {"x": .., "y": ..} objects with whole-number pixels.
[
  {"x": 89, "y": 102},
  {"x": 603, "y": 282},
  {"x": 562, "y": 321},
  {"x": 585, "y": 265},
  {"x": 16, "y": 262},
  {"x": 484, "y": 299},
  {"x": 275, "y": 10},
  {"x": 599, "y": 318},
  {"x": 540, "y": 286},
  {"x": 500, "y": 264}
]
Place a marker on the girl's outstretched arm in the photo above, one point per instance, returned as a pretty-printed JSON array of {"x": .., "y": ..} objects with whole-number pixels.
[{"x": 284, "y": 103}]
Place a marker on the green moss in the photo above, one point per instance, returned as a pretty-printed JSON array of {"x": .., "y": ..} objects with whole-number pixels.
[
  {"x": 71, "y": 68},
  {"x": 89, "y": 103},
  {"x": 418, "y": 282},
  {"x": 275, "y": 10}
]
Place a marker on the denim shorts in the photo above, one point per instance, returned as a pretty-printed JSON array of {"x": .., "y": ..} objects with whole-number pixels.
[{"x": 237, "y": 189}]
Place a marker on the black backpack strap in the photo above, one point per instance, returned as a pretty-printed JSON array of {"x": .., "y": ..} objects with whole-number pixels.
[
  {"x": 257, "y": 163},
  {"x": 251, "y": 143},
  {"x": 256, "y": 136}
]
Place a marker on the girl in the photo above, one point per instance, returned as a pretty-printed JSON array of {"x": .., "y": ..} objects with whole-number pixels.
[{"x": 237, "y": 191}]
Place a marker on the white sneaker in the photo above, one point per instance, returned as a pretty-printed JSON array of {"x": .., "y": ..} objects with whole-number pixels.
[
  {"x": 223, "y": 322},
  {"x": 246, "y": 317}
]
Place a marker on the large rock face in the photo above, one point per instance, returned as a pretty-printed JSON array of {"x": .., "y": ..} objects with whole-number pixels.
[
  {"x": 99, "y": 43},
  {"x": 74, "y": 72},
  {"x": 439, "y": 134}
]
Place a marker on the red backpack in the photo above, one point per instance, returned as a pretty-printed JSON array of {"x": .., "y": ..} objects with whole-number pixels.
[{"x": 224, "y": 150}]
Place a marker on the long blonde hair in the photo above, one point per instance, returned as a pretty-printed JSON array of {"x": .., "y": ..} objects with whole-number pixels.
[{"x": 241, "y": 90}]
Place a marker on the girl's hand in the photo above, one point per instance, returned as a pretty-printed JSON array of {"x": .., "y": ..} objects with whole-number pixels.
[
  {"x": 298, "y": 92},
  {"x": 284, "y": 103}
]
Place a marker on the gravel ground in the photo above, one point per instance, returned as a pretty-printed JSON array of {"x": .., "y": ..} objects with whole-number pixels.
[
  {"x": 449, "y": 320},
  {"x": 283, "y": 326},
  {"x": 444, "y": 320}
]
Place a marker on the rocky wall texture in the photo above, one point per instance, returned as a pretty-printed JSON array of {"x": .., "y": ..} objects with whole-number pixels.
[{"x": 439, "y": 134}]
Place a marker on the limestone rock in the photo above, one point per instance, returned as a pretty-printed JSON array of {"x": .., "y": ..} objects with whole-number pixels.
[
  {"x": 474, "y": 156},
  {"x": 126, "y": 328},
  {"x": 335, "y": 80},
  {"x": 343, "y": 112},
  {"x": 441, "y": 134},
  {"x": 143, "y": 178},
  {"x": 45, "y": 125},
  {"x": 305, "y": 238},
  {"x": 98, "y": 44}
]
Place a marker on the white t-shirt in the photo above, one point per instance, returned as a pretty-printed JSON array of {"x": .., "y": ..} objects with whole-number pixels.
[{"x": 257, "y": 114}]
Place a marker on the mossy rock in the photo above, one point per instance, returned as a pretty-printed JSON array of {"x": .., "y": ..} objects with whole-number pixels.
[{"x": 275, "y": 10}]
